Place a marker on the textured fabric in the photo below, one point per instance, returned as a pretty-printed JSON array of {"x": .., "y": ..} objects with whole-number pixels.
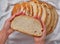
[{"x": 19, "y": 38}]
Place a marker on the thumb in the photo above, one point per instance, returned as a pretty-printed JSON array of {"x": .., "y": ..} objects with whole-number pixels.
[{"x": 11, "y": 18}]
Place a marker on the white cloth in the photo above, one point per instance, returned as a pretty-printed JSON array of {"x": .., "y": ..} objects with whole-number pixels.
[{"x": 19, "y": 38}]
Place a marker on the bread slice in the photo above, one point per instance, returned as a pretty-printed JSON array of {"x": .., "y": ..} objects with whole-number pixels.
[
  {"x": 27, "y": 24},
  {"x": 55, "y": 19},
  {"x": 17, "y": 8},
  {"x": 39, "y": 10},
  {"x": 51, "y": 22},
  {"x": 52, "y": 29},
  {"x": 44, "y": 13},
  {"x": 35, "y": 9},
  {"x": 49, "y": 18},
  {"x": 27, "y": 9},
  {"x": 23, "y": 7}
]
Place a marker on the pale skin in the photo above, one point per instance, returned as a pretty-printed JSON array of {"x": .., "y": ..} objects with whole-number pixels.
[{"x": 6, "y": 31}]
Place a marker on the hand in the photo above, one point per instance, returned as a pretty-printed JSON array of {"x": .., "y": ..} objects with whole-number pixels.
[
  {"x": 6, "y": 30},
  {"x": 41, "y": 40}
]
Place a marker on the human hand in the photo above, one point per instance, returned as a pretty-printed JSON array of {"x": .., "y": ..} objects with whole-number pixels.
[
  {"x": 41, "y": 40},
  {"x": 6, "y": 30}
]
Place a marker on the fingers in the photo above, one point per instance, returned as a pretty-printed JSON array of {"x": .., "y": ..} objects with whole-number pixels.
[
  {"x": 9, "y": 19},
  {"x": 44, "y": 32},
  {"x": 43, "y": 35}
]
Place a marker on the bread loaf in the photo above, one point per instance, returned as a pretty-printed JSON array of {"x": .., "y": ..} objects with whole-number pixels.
[{"x": 40, "y": 9}]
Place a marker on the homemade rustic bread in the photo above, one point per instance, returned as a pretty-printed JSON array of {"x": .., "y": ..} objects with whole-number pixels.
[{"x": 40, "y": 9}]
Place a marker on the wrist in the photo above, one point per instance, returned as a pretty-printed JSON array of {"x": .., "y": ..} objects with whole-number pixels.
[
  {"x": 4, "y": 32},
  {"x": 3, "y": 36},
  {"x": 40, "y": 42}
]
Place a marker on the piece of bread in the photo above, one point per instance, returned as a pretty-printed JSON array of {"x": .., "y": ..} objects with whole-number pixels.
[
  {"x": 17, "y": 8},
  {"x": 49, "y": 18},
  {"x": 49, "y": 28},
  {"x": 27, "y": 24},
  {"x": 27, "y": 5},
  {"x": 39, "y": 10},
  {"x": 44, "y": 14},
  {"x": 22, "y": 7},
  {"x": 30, "y": 9},
  {"x": 34, "y": 9},
  {"x": 55, "y": 20}
]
